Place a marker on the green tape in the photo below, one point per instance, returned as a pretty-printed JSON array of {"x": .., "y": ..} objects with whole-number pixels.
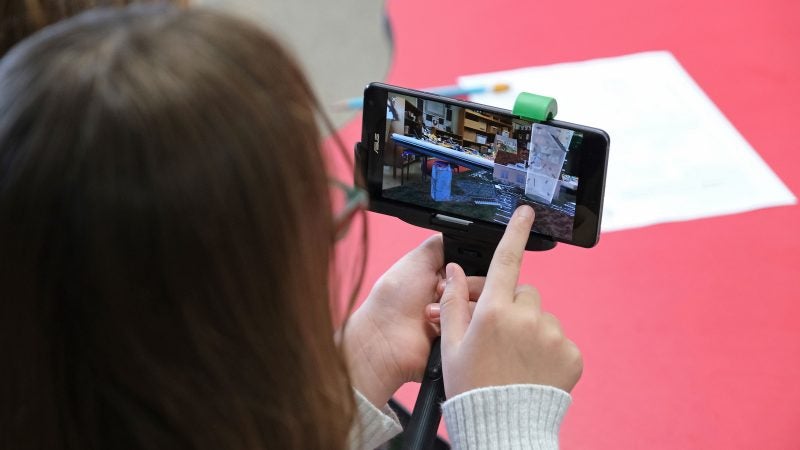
[{"x": 535, "y": 107}]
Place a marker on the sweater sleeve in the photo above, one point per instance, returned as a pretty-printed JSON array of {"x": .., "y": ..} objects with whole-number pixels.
[
  {"x": 372, "y": 426},
  {"x": 520, "y": 416}
]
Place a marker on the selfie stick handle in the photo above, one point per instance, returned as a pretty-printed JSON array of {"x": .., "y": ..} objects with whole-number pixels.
[
  {"x": 474, "y": 257},
  {"x": 424, "y": 423}
]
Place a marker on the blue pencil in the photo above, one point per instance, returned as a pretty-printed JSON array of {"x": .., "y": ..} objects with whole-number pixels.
[{"x": 446, "y": 91}]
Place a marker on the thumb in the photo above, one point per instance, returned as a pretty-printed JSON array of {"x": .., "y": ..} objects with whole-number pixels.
[{"x": 454, "y": 307}]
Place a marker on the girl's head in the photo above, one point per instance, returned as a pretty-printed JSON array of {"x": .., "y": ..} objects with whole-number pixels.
[{"x": 165, "y": 233}]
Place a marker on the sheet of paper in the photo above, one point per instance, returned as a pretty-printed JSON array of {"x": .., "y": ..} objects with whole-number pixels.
[{"x": 674, "y": 156}]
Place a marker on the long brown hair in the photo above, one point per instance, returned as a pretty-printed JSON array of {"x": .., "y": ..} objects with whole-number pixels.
[
  {"x": 21, "y": 18},
  {"x": 165, "y": 240}
]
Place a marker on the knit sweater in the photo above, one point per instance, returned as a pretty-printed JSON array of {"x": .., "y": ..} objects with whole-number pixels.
[{"x": 520, "y": 416}]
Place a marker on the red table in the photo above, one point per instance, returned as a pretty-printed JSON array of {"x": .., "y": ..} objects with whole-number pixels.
[{"x": 690, "y": 331}]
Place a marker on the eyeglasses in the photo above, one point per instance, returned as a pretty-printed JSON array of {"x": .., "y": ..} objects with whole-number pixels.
[{"x": 347, "y": 200}]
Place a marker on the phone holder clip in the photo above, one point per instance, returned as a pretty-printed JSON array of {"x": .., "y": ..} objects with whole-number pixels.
[{"x": 535, "y": 107}]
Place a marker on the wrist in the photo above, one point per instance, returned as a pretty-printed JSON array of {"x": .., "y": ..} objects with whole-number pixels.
[{"x": 369, "y": 360}]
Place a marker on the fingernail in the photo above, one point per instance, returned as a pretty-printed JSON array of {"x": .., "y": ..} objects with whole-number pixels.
[
  {"x": 525, "y": 211},
  {"x": 442, "y": 285},
  {"x": 448, "y": 271},
  {"x": 435, "y": 310}
]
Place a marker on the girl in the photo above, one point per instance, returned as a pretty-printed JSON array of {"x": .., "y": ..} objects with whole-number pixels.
[{"x": 166, "y": 232}]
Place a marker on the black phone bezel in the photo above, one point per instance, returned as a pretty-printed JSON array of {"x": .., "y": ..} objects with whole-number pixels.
[{"x": 589, "y": 205}]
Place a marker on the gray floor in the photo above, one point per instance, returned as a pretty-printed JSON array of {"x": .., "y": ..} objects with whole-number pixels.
[{"x": 342, "y": 44}]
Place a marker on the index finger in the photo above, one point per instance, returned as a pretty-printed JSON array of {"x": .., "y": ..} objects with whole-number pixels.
[{"x": 503, "y": 274}]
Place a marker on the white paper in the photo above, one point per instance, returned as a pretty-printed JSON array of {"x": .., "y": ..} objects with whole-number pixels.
[{"x": 673, "y": 155}]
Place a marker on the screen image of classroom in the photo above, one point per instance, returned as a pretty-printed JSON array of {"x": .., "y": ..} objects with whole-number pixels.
[{"x": 479, "y": 164}]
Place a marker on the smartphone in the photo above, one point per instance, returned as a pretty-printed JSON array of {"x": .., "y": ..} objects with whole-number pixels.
[{"x": 459, "y": 166}]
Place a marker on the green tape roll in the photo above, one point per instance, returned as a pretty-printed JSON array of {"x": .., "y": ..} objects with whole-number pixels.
[{"x": 535, "y": 107}]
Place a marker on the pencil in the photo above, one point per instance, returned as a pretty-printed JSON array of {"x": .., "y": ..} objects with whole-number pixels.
[{"x": 445, "y": 91}]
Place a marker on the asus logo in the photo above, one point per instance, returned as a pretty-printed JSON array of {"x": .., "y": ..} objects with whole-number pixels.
[{"x": 376, "y": 143}]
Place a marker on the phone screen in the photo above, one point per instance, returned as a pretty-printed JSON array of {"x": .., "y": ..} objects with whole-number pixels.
[{"x": 480, "y": 164}]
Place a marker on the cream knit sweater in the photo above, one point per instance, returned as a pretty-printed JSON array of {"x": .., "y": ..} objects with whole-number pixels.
[{"x": 520, "y": 416}]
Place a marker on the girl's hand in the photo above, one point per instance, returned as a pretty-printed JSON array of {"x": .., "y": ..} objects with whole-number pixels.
[{"x": 508, "y": 339}]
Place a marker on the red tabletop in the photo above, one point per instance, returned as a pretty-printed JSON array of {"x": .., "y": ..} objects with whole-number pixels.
[{"x": 690, "y": 331}]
